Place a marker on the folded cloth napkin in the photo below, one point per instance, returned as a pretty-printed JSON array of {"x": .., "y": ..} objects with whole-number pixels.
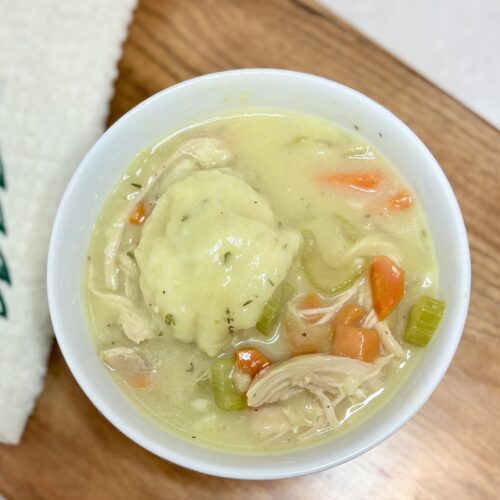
[{"x": 57, "y": 65}]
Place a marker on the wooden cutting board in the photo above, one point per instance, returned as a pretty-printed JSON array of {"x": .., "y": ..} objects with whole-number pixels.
[{"x": 451, "y": 449}]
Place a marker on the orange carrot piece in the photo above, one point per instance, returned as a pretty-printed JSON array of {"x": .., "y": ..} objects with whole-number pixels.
[
  {"x": 387, "y": 281},
  {"x": 138, "y": 215},
  {"x": 306, "y": 339},
  {"x": 309, "y": 301},
  {"x": 354, "y": 342},
  {"x": 364, "y": 181},
  {"x": 401, "y": 201},
  {"x": 139, "y": 380},
  {"x": 349, "y": 314},
  {"x": 250, "y": 361}
]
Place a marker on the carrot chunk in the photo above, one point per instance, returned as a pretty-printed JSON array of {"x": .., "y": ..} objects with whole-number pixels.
[
  {"x": 354, "y": 342},
  {"x": 250, "y": 361},
  {"x": 349, "y": 314},
  {"x": 303, "y": 338},
  {"x": 387, "y": 281},
  {"x": 363, "y": 181},
  {"x": 139, "y": 215},
  {"x": 309, "y": 301},
  {"x": 139, "y": 380},
  {"x": 400, "y": 201}
]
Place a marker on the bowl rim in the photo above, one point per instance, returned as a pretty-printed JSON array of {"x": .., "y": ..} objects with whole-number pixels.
[{"x": 192, "y": 462}]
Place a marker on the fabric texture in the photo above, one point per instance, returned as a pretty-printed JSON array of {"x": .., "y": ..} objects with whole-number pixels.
[{"x": 58, "y": 60}]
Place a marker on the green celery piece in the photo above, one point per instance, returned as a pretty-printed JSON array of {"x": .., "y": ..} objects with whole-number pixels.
[
  {"x": 424, "y": 320},
  {"x": 274, "y": 307},
  {"x": 325, "y": 278},
  {"x": 225, "y": 394}
]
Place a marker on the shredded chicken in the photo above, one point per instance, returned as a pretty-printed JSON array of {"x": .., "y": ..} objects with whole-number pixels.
[
  {"x": 270, "y": 421},
  {"x": 322, "y": 375},
  {"x": 123, "y": 359},
  {"x": 325, "y": 313},
  {"x": 390, "y": 344},
  {"x": 135, "y": 322},
  {"x": 241, "y": 380}
]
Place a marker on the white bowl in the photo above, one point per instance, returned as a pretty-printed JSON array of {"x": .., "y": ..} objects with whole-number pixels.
[{"x": 180, "y": 106}]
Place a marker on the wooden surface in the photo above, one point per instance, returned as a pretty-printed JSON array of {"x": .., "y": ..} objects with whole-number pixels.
[{"x": 451, "y": 449}]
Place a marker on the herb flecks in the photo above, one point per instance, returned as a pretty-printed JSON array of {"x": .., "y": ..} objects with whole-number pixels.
[
  {"x": 227, "y": 256},
  {"x": 136, "y": 185},
  {"x": 130, "y": 254},
  {"x": 270, "y": 281},
  {"x": 229, "y": 320},
  {"x": 184, "y": 218},
  {"x": 191, "y": 367},
  {"x": 247, "y": 303},
  {"x": 304, "y": 334},
  {"x": 170, "y": 320}
]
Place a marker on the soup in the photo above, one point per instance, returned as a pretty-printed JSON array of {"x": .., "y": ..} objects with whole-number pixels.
[{"x": 261, "y": 281}]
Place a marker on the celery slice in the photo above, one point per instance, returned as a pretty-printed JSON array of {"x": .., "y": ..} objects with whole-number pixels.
[
  {"x": 325, "y": 278},
  {"x": 424, "y": 320},
  {"x": 225, "y": 394},
  {"x": 274, "y": 307}
]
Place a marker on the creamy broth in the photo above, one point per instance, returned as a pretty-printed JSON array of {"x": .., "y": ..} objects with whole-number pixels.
[{"x": 299, "y": 184}]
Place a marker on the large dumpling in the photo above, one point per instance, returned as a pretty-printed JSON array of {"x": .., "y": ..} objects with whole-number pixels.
[{"x": 211, "y": 254}]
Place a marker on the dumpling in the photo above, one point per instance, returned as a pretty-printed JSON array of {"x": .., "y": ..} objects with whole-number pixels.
[{"x": 211, "y": 254}]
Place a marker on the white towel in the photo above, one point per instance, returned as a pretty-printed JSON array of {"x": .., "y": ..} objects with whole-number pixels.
[{"x": 57, "y": 65}]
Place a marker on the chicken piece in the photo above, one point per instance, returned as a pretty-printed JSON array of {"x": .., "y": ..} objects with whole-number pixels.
[
  {"x": 241, "y": 380},
  {"x": 209, "y": 152},
  {"x": 322, "y": 375},
  {"x": 123, "y": 359},
  {"x": 136, "y": 324},
  {"x": 130, "y": 365},
  {"x": 269, "y": 421}
]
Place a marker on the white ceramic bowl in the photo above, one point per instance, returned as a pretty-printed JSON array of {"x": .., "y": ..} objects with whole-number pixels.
[{"x": 180, "y": 106}]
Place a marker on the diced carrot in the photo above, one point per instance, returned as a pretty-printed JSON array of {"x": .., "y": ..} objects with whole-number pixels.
[
  {"x": 400, "y": 201},
  {"x": 139, "y": 215},
  {"x": 387, "y": 281},
  {"x": 309, "y": 301},
  {"x": 349, "y": 314},
  {"x": 139, "y": 380},
  {"x": 250, "y": 361},
  {"x": 364, "y": 181},
  {"x": 355, "y": 342},
  {"x": 306, "y": 339}
]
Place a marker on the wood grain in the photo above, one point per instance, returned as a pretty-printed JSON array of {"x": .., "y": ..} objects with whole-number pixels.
[{"x": 451, "y": 449}]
